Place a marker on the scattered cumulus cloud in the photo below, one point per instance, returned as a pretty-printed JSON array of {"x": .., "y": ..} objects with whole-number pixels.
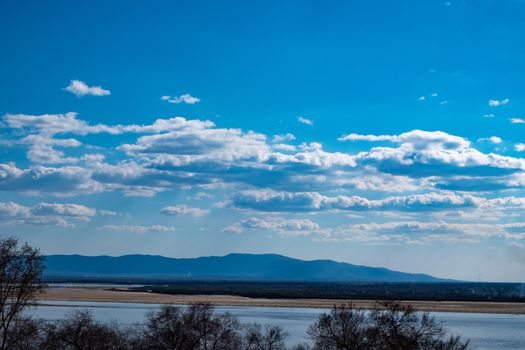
[
  {"x": 420, "y": 137},
  {"x": 284, "y": 147},
  {"x": 79, "y": 88},
  {"x": 73, "y": 210},
  {"x": 433, "y": 95},
  {"x": 279, "y": 201},
  {"x": 61, "y": 181},
  {"x": 55, "y": 214},
  {"x": 141, "y": 229},
  {"x": 185, "y": 98},
  {"x": 107, "y": 213},
  {"x": 497, "y": 103},
  {"x": 421, "y": 153},
  {"x": 177, "y": 153},
  {"x": 305, "y": 121},
  {"x": 182, "y": 209},
  {"x": 202, "y": 195},
  {"x": 517, "y": 121},
  {"x": 417, "y": 232},
  {"x": 493, "y": 139},
  {"x": 520, "y": 147},
  {"x": 394, "y": 232},
  {"x": 280, "y": 225},
  {"x": 373, "y": 138},
  {"x": 408, "y": 176},
  {"x": 49, "y": 125},
  {"x": 283, "y": 138}
]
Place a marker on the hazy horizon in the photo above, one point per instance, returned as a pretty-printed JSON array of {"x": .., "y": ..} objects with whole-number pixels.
[{"x": 378, "y": 133}]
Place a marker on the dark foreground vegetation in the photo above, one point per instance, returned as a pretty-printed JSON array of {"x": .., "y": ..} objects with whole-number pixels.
[
  {"x": 446, "y": 291},
  {"x": 389, "y": 326}
]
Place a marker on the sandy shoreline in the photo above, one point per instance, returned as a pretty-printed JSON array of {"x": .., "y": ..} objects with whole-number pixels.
[{"x": 124, "y": 296}]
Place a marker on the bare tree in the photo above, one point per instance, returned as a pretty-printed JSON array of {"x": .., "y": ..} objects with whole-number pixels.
[
  {"x": 199, "y": 328},
  {"x": 79, "y": 331},
  {"x": 400, "y": 327},
  {"x": 345, "y": 327},
  {"x": 20, "y": 280},
  {"x": 390, "y": 326},
  {"x": 222, "y": 333},
  {"x": 26, "y": 333},
  {"x": 166, "y": 329},
  {"x": 269, "y": 338},
  {"x": 196, "y": 327}
]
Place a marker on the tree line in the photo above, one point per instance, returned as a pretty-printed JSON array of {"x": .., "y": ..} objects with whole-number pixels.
[{"x": 389, "y": 326}]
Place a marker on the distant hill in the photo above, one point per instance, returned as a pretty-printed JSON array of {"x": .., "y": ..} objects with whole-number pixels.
[{"x": 250, "y": 267}]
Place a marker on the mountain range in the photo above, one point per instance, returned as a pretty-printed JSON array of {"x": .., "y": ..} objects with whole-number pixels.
[{"x": 249, "y": 267}]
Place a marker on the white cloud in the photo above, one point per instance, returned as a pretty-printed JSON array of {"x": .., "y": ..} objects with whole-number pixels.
[
  {"x": 284, "y": 147},
  {"x": 93, "y": 158},
  {"x": 79, "y": 88},
  {"x": 520, "y": 147},
  {"x": 283, "y": 137},
  {"x": 279, "y": 201},
  {"x": 74, "y": 210},
  {"x": 189, "y": 145},
  {"x": 183, "y": 210},
  {"x": 305, "y": 121},
  {"x": 396, "y": 232},
  {"x": 372, "y": 138},
  {"x": 141, "y": 229},
  {"x": 176, "y": 153},
  {"x": 496, "y": 103},
  {"x": 11, "y": 209},
  {"x": 56, "y": 214},
  {"x": 429, "y": 170},
  {"x": 517, "y": 121},
  {"x": 419, "y": 137},
  {"x": 185, "y": 98},
  {"x": 53, "y": 124},
  {"x": 434, "y": 94},
  {"x": 489, "y": 115},
  {"x": 202, "y": 195},
  {"x": 63, "y": 181},
  {"x": 421, "y": 98},
  {"x": 423, "y": 232},
  {"x": 107, "y": 213},
  {"x": 423, "y": 153},
  {"x": 276, "y": 224},
  {"x": 444, "y": 102},
  {"x": 493, "y": 139},
  {"x": 42, "y": 149},
  {"x": 312, "y": 154},
  {"x": 49, "y": 125}
]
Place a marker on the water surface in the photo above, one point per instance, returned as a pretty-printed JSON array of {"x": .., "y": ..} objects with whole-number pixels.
[{"x": 486, "y": 331}]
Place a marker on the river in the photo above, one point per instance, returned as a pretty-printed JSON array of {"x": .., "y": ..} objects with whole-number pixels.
[{"x": 486, "y": 331}]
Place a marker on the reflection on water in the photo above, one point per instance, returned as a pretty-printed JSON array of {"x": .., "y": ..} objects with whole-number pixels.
[{"x": 486, "y": 331}]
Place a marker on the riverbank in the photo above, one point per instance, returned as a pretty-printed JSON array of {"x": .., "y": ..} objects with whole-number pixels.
[{"x": 124, "y": 295}]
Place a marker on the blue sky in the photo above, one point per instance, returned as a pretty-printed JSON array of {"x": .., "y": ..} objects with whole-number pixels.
[{"x": 375, "y": 132}]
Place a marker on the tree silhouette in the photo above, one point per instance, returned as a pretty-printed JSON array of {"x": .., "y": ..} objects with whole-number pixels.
[{"x": 20, "y": 280}]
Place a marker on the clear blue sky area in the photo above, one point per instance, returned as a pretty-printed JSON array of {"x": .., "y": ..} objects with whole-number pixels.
[{"x": 383, "y": 133}]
